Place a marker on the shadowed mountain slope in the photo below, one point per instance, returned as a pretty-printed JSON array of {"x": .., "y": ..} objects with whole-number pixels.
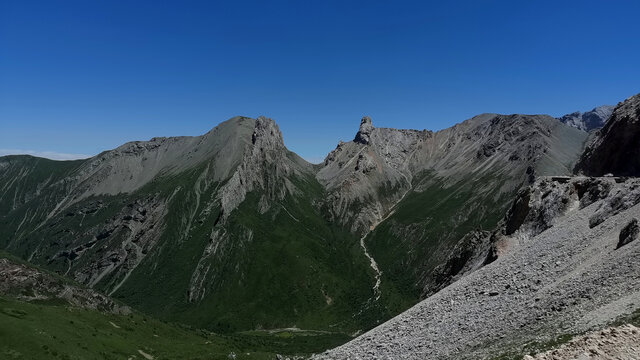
[{"x": 615, "y": 148}]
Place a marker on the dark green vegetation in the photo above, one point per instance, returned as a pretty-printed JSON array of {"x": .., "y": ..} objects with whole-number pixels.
[
  {"x": 433, "y": 219},
  {"x": 270, "y": 270},
  {"x": 23, "y": 175},
  {"x": 49, "y": 326},
  {"x": 49, "y": 331}
]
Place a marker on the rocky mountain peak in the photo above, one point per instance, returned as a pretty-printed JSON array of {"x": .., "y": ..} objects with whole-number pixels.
[
  {"x": 590, "y": 120},
  {"x": 265, "y": 166},
  {"x": 364, "y": 133},
  {"x": 267, "y": 132}
]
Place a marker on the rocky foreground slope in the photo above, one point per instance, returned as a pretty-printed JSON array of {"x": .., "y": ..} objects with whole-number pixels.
[
  {"x": 562, "y": 270},
  {"x": 614, "y": 343}
]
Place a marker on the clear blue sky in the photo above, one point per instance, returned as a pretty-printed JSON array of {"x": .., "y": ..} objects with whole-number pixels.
[{"x": 84, "y": 76}]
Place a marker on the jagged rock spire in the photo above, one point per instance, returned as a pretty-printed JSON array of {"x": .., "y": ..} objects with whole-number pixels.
[
  {"x": 267, "y": 131},
  {"x": 364, "y": 134}
]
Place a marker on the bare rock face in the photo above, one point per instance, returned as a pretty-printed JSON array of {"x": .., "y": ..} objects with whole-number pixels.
[
  {"x": 629, "y": 233},
  {"x": 539, "y": 206},
  {"x": 364, "y": 134},
  {"x": 367, "y": 176},
  {"x": 590, "y": 120},
  {"x": 616, "y": 202},
  {"x": 616, "y": 147},
  {"x": 265, "y": 165},
  {"x": 29, "y": 284}
]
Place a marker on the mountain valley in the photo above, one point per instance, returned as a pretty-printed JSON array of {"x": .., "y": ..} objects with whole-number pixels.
[{"x": 229, "y": 237}]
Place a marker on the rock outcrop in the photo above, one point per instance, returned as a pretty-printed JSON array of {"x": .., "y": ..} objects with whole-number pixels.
[
  {"x": 364, "y": 133},
  {"x": 266, "y": 165},
  {"x": 629, "y": 233},
  {"x": 616, "y": 147},
  {"x": 29, "y": 284}
]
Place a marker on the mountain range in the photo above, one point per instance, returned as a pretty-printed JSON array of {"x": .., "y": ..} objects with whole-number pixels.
[{"x": 232, "y": 232}]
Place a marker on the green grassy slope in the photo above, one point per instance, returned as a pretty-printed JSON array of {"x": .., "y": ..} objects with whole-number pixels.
[
  {"x": 47, "y": 331},
  {"x": 30, "y": 188},
  {"x": 23, "y": 177},
  {"x": 51, "y": 328},
  {"x": 283, "y": 268},
  {"x": 425, "y": 227}
]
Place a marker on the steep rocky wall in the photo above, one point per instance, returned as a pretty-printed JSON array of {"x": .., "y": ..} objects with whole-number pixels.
[{"x": 616, "y": 147}]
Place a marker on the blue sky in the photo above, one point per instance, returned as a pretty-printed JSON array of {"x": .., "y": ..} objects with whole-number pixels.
[{"x": 79, "y": 77}]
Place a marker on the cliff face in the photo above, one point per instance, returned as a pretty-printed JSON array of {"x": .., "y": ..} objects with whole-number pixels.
[{"x": 615, "y": 148}]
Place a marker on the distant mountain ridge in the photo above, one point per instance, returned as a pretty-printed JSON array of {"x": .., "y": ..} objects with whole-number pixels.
[{"x": 590, "y": 120}]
